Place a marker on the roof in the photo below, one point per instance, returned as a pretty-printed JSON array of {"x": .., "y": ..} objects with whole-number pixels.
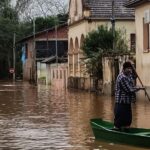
[
  {"x": 133, "y": 3},
  {"x": 52, "y": 58},
  {"x": 41, "y": 32},
  {"x": 49, "y": 59},
  {"x": 103, "y": 9}
]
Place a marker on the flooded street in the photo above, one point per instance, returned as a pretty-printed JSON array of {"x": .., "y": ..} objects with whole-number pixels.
[{"x": 43, "y": 118}]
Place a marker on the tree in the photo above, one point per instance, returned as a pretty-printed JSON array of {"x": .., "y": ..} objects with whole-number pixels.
[
  {"x": 49, "y": 21},
  {"x": 8, "y": 25},
  {"x": 99, "y": 43},
  {"x": 28, "y": 9},
  {"x": 41, "y": 23},
  {"x": 3, "y": 3}
]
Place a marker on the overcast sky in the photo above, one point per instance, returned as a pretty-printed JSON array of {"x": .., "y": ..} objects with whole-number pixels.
[
  {"x": 14, "y": 2},
  {"x": 45, "y": 9}
]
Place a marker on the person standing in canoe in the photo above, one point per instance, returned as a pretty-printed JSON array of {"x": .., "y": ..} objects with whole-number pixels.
[{"x": 125, "y": 90}]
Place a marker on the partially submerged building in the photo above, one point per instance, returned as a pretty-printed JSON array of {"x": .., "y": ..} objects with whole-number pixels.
[
  {"x": 142, "y": 23},
  {"x": 42, "y": 50},
  {"x": 84, "y": 17}
]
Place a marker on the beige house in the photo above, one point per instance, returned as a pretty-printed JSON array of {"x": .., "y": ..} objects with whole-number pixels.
[
  {"x": 142, "y": 22},
  {"x": 85, "y": 16}
]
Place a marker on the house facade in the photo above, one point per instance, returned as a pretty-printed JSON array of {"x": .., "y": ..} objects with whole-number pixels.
[
  {"x": 84, "y": 17},
  {"x": 47, "y": 44},
  {"x": 142, "y": 22}
]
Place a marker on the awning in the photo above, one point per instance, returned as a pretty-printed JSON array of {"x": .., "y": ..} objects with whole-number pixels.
[{"x": 49, "y": 59}]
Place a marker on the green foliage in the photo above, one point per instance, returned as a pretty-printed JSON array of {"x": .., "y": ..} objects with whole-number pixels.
[
  {"x": 4, "y": 3},
  {"x": 8, "y": 26},
  {"x": 98, "y": 40},
  {"x": 9, "y": 13},
  {"x": 99, "y": 43},
  {"x": 94, "y": 65},
  {"x": 121, "y": 42},
  {"x": 44, "y": 23},
  {"x": 41, "y": 23},
  {"x": 62, "y": 18},
  {"x": 49, "y": 22}
]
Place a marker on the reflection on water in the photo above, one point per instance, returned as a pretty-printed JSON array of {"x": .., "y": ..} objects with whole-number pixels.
[{"x": 43, "y": 118}]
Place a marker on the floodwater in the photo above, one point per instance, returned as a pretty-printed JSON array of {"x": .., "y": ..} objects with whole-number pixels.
[{"x": 44, "y": 118}]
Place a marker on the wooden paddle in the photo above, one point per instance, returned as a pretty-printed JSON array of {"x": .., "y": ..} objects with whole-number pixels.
[{"x": 146, "y": 94}]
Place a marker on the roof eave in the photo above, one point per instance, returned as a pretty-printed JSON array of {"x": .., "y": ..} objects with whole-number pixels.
[
  {"x": 41, "y": 32},
  {"x": 106, "y": 18},
  {"x": 101, "y": 19},
  {"x": 135, "y": 3}
]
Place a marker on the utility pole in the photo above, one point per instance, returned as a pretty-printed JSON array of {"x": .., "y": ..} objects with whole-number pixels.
[
  {"x": 14, "y": 57},
  {"x": 113, "y": 48},
  {"x": 56, "y": 43},
  {"x": 113, "y": 24},
  {"x": 47, "y": 54},
  {"x": 34, "y": 70},
  {"x": 56, "y": 38}
]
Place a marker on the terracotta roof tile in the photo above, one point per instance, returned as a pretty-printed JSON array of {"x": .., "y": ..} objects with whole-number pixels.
[
  {"x": 103, "y": 9},
  {"x": 133, "y": 3}
]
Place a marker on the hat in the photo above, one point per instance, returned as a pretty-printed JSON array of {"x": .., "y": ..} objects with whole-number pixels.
[{"x": 127, "y": 64}]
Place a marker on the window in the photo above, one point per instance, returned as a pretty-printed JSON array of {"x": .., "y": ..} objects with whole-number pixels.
[
  {"x": 26, "y": 51},
  {"x": 76, "y": 6},
  {"x": 132, "y": 44},
  {"x": 44, "y": 49},
  {"x": 146, "y": 36}
]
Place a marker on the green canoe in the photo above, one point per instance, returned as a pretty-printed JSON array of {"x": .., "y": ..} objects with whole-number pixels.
[{"x": 103, "y": 130}]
